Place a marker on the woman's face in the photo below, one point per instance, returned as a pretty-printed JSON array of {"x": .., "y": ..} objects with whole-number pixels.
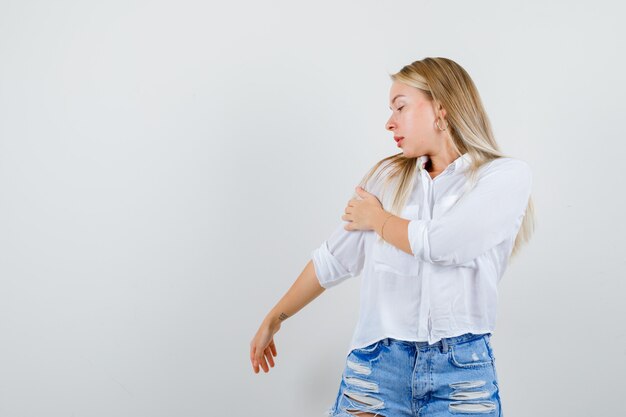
[{"x": 413, "y": 119}]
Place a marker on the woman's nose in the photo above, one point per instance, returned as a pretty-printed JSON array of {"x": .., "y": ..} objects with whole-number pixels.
[{"x": 389, "y": 125}]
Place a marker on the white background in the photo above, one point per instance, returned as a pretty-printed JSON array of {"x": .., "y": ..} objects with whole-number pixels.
[{"x": 166, "y": 169}]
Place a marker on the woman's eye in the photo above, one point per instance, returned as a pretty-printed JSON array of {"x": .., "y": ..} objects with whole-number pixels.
[{"x": 400, "y": 108}]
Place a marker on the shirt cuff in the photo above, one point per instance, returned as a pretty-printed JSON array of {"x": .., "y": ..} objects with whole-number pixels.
[
  {"x": 418, "y": 240},
  {"x": 328, "y": 269}
]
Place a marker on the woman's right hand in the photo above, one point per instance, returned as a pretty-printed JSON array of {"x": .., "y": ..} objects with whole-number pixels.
[{"x": 262, "y": 346}]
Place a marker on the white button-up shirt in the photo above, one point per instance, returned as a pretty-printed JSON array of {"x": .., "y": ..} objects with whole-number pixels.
[{"x": 461, "y": 241}]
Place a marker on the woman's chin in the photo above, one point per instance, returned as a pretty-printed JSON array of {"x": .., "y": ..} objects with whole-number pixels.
[{"x": 407, "y": 153}]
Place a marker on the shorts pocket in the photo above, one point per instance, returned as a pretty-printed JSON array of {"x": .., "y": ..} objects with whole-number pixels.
[
  {"x": 371, "y": 348},
  {"x": 472, "y": 354},
  {"x": 490, "y": 347}
]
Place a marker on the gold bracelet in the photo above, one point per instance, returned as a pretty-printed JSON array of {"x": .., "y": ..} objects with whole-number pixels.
[{"x": 383, "y": 226}]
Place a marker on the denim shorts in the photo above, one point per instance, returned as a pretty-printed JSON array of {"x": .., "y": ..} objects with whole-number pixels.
[{"x": 396, "y": 378}]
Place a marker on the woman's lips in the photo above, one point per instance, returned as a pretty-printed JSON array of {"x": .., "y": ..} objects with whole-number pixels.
[{"x": 398, "y": 139}]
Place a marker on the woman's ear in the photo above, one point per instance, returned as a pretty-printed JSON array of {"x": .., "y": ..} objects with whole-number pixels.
[{"x": 441, "y": 112}]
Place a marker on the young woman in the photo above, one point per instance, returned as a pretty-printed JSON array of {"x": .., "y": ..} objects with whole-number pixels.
[{"x": 431, "y": 230}]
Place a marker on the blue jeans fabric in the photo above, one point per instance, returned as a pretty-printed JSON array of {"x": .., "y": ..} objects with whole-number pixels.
[{"x": 396, "y": 378}]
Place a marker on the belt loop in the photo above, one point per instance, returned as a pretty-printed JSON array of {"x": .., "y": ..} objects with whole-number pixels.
[{"x": 444, "y": 345}]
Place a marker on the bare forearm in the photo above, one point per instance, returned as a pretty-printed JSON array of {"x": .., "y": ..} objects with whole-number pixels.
[
  {"x": 395, "y": 232},
  {"x": 304, "y": 290}
]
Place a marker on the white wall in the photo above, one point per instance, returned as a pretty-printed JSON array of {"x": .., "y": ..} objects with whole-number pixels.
[{"x": 166, "y": 169}]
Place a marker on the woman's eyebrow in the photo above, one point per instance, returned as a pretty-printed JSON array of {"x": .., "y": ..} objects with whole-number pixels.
[{"x": 394, "y": 99}]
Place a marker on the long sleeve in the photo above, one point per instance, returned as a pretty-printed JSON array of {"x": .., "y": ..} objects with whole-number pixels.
[
  {"x": 486, "y": 216},
  {"x": 339, "y": 257}
]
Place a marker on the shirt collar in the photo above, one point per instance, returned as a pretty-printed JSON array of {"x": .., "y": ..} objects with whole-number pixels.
[{"x": 459, "y": 162}]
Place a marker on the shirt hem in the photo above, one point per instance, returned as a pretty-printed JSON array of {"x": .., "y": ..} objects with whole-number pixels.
[{"x": 415, "y": 339}]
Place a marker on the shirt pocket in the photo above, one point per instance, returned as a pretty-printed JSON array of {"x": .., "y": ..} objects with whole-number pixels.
[
  {"x": 445, "y": 203},
  {"x": 387, "y": 258}
]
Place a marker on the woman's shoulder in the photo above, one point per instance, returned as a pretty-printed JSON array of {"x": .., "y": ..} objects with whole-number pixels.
[
  {"x": 511, "y": 170},
  {"x": 508, "y": 163}
]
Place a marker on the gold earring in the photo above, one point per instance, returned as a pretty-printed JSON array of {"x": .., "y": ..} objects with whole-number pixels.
[{"x": 437, "y": 123}]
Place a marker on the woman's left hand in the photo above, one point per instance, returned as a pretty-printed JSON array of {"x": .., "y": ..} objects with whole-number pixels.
[{"x": 362, "y": 214}]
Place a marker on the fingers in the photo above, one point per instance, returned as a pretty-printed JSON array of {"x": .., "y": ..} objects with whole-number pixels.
[
  {"x": 263, "y": 363},
  {"x": 264, "y": 358},
  {"x": 255, "y": 364},
  {"x": 257, "y": 360},
  {"x": 261, "y": 360},
  {"x": 269, "y": 356}
]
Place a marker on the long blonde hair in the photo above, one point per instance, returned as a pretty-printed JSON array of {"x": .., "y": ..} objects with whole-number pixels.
[{"x": 447, "y": 83}]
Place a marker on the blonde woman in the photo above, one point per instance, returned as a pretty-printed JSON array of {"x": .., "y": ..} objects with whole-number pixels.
[{"x": 431, "y": 231}]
